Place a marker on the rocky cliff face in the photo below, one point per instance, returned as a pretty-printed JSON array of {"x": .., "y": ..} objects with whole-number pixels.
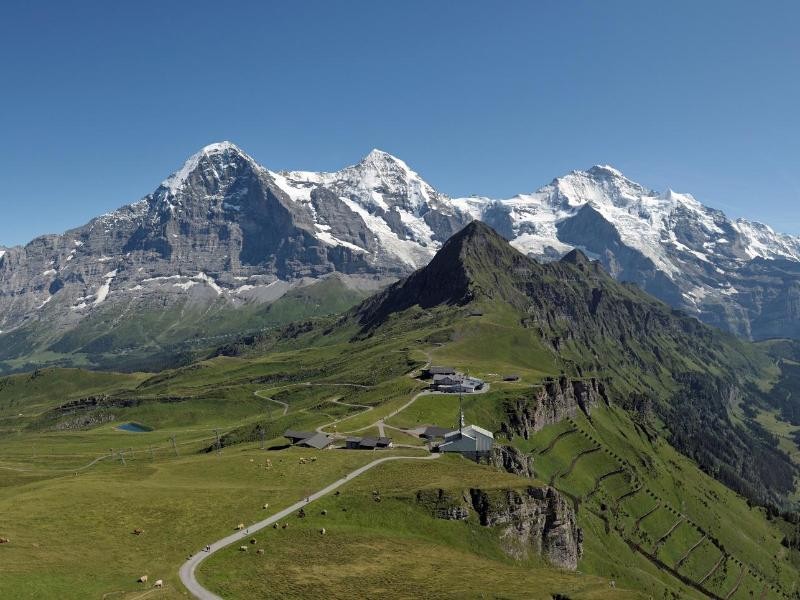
[
  {"x": 554, "y": 401},
  {"x": 537, "y": 519},
  {"x": 511, "y": 460},
  {"x": 531, "y": 519}
]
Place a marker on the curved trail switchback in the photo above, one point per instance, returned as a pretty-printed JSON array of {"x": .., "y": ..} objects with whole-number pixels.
[{"x": 188, "y": 570}]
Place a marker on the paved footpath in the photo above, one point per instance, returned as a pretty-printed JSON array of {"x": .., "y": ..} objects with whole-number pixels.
[{"x": 187, "y": 571}]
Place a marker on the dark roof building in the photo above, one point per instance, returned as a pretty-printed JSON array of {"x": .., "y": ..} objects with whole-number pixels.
[
  {"x": 318, "y": 441},
  {"x": 441, "y": 371},
  {"x": 297, "y": 436},
  {"x": 434, "y": 431},
  {"x": 368, "y": 443}
]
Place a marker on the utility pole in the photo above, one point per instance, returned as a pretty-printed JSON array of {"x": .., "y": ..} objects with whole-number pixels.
[
  {"x": 460, "y": 412},
  {"x": 174, "y": 445},
  {"x": 219, "y": 445}
]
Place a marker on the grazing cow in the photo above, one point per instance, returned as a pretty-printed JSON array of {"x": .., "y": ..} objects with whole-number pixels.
[
  {"x": 253, "y": 541},
  {"x": 142, "y": 579},
  {"x": 4, "y": 540},
  {"x": 240, "y": 526},
  {"x": 260, "y": 551},
  {"x": 138, "y": 531},
  {"x": 242, "y": 548},
  {"x": 159, "y": 583},
  {"x": 324, "y": 512},
  {"x": 275, "y": 526},
  {"x": 285, "y": 526},
  {"x": 322, "y": 531},
  {"x": 266, "y": 506}
]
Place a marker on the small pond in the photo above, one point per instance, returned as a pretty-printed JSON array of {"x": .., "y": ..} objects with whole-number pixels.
[{"x": 134, "y": 427}]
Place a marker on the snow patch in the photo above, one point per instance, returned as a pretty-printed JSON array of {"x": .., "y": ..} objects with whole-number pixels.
[
  {"x": 209, "y": 282},
  {"x": 105, "y": 288}
]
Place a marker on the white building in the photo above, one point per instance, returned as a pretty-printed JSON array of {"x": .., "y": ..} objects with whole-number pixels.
[{"x": 468, "y": 440}]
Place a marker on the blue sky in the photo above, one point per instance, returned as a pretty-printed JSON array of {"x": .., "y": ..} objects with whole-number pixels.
[{"x": 99, "y": 101}]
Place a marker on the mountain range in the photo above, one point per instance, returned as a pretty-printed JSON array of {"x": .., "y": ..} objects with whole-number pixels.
[{"x": 225, "y": 244}]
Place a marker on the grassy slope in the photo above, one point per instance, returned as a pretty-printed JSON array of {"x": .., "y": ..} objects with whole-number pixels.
[
  {"x": 126, "y": 335},
  {"x": 394, "y": 548}
]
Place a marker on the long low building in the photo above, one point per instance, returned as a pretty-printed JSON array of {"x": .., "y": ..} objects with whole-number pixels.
[
  {"x": 368, "y": 443},
  {"x": 308, "y": 439},
  {"x": 456, "y": 383}
]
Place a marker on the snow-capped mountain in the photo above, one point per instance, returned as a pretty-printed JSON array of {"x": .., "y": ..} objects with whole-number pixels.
[
  {"x": 225, "y": 230},
  {"x": 739, "y": 275}
]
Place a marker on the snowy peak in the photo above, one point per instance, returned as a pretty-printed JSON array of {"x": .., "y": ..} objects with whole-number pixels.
[
  {"x": 601, "y": 184},
  {"x": 389, "y": 182},
  {"x": 211, "y": 161}
]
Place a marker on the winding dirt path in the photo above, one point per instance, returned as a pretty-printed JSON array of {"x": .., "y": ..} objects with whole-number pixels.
[
  {"x": 283, "y": 404},
  {"x": 188, "y": 570}
]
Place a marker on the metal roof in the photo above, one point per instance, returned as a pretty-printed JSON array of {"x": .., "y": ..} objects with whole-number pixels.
[
  {"x": 300, "y": 435},
  {"x": 441, "y": 370},
  {"x": 481, "y": 430},
  {"x": 318, "y": 441}
]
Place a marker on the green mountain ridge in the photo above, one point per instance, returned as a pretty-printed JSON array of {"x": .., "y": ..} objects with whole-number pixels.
[{"x": 669, "y": 368}]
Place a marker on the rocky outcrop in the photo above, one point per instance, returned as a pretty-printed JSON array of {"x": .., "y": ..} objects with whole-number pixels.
[
  {"x": 444, "y": 504},
  {"x": 532, "y": 519},
  {"x": 82, "y": 422},
  {"x": 554, "y": 401},
  {"x": 511, "y": 460}
]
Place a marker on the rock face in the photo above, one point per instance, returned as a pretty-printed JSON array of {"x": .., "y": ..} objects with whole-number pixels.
[
  {"x": 532, "y": 519},
  {"x": 555, "y": 400},
  {"x": 511, "y": 460},
  {"x": 537, "y": 519}
]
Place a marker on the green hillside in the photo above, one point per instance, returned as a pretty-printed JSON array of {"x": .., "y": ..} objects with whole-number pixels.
[
  {"x": 673, "y": 466},
  {"x": 127, "y": 335}
]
